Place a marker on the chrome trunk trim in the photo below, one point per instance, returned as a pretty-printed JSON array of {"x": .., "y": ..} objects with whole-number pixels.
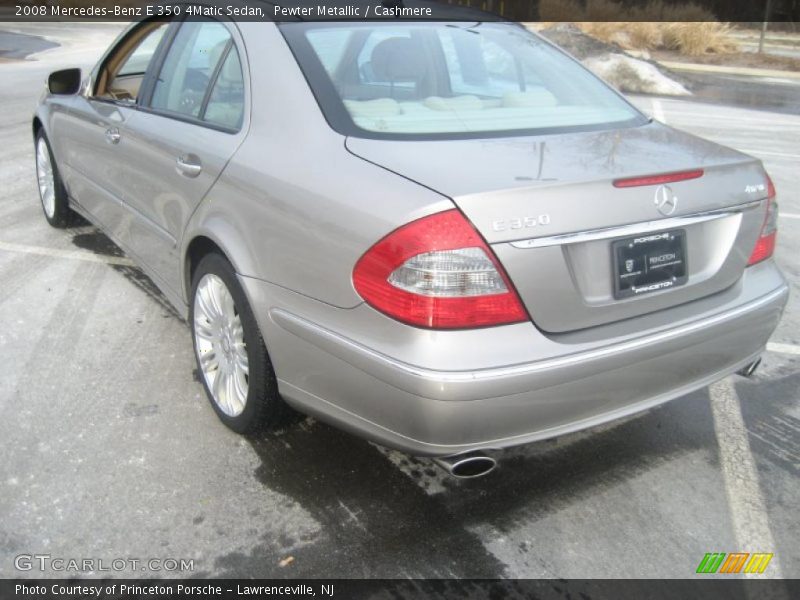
[{"x": 633, "y": 228}]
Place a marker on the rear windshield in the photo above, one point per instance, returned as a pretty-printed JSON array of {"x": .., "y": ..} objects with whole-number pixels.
[{"x": 446, "y": 80}]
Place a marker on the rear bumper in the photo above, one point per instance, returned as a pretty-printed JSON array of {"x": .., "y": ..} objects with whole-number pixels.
[{"x": 565, "y": 383}]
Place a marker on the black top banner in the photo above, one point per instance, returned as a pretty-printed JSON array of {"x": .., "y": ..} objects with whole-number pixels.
[{"x": 438, "y": 10}]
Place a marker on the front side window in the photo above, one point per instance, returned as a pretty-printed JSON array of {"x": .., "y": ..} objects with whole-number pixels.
[
  {"x": 138, "y": 60},
  {"x": 440, "y": 79},
  {"x": 122, "y": 74},
  {"x": 201, "y": 76}
]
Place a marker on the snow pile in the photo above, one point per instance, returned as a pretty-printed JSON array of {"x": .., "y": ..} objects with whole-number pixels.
[
  {"x": 633, "y": 75},
  {"x": 617, "y": 67}
]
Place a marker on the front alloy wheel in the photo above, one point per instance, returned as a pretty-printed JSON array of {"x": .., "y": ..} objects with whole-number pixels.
[
  {"x": 45, "y": 178},
  {"x": 52, "y": 192}
]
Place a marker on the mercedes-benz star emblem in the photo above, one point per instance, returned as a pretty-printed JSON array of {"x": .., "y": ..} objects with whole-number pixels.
[{"x": 666, "y": 201}]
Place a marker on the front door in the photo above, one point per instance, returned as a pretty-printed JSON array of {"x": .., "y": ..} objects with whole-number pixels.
[
  {"x": 188, "y": 126},
  {"x": 91, "y": 132}
]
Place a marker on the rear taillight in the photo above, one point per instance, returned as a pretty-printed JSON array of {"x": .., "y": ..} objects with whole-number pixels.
[
  {"x": 437, "y": 272},
  {"x": 765, "y": 245}
]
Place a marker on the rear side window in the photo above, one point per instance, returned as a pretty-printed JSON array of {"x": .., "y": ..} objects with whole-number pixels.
[
  {"x": 201, "y": 77},
  {"x": 226, "y": 102},
  {"x": 440, "y": 80}
]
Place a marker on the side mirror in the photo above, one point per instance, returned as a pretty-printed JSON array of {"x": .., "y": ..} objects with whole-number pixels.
[{"x": 65, "y": 82}]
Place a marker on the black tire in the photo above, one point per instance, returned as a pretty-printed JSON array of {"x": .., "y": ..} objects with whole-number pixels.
[
  {"x": 62, "y": 215},
  {"x": 264, "y": 408}
]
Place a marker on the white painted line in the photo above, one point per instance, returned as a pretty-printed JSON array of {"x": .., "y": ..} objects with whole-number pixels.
[
  {"x": 747, "y": 509},
  {"x": 746, "y": 71},
  {"x": 769, "y": 153},
  {"x": 784, "y": 215},
  {"x": 753, "y": 115},
  {"x": 84, "y": 255},
  {"x": 783, "y": 348},
  {"x": 658, "y": 111}
]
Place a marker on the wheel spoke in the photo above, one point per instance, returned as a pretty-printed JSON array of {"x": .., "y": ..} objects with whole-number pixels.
[
  {"x": 214, "y": 296},
  {"x": 226, "y": 303},
  {"x": 236, "y": 328},
  {"x": 242, "y": 361},
  {"x": 205, "y": 305},
  {"x": 216, "y": 385},
  {"x": 230, "y": 392},
  {"x": 204, "y": 330},
  {"x": 209, "y": 361}
]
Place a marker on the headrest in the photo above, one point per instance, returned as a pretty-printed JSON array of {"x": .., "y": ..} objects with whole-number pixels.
[{"x": 398, "y": 59}]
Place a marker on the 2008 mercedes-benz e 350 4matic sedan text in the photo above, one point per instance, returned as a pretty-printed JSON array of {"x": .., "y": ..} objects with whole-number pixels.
[{"x": 445, "y": 237}]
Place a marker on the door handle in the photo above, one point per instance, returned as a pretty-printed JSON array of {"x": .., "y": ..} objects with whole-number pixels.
[
  {"x": 112, "y": 135},
  {"x": 189, "y": 165}
]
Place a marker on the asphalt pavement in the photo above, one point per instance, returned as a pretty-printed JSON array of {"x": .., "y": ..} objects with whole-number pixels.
[
  {"x": 108, "y": 448},
  {"x": 779, "y": 43}
]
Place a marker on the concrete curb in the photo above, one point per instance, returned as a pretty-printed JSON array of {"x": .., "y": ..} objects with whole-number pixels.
[{"x": 747, "y": 71}]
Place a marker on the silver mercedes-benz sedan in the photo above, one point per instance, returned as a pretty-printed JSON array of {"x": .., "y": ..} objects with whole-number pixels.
[{"x": 448, "y": 238}]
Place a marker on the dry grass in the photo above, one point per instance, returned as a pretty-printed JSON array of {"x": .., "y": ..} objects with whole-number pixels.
[
  {"x": 631, "y": 35},
  {"x": 644, "y": 34},
  {"x": 687, "y": 28},
  {"x": 743, "y": 59},
  {"x": 697, "y": 38}
]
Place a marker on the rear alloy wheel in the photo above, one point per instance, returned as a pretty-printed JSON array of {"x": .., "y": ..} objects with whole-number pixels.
[
  {"x": 221, "y": 348},
  {"x": 51, "y": 189},
  {"x": 231, "y": 356}
]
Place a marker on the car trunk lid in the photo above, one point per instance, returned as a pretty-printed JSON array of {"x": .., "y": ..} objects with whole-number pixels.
[{"x": 549, "y": 208}]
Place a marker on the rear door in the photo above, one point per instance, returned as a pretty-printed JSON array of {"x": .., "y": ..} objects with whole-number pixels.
[{"x": 191, "y": 120}]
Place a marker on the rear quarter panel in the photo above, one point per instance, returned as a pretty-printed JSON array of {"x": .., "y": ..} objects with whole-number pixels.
[{"x": 293, "y": 206}]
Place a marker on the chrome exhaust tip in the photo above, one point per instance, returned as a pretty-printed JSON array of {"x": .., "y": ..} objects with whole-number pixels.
[
  {"x": 468, "y": 465},
  {"x": 748, "y": 370}
]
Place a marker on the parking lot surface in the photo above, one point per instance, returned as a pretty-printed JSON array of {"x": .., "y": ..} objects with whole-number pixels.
[{"x": 109, "y": 449}]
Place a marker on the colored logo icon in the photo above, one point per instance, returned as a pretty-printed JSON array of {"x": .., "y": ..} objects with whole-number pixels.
[{"x": 720, "y": 562}]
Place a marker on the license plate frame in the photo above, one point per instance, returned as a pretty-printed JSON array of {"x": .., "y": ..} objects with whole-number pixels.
[{"x": 649, "y": 263}]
